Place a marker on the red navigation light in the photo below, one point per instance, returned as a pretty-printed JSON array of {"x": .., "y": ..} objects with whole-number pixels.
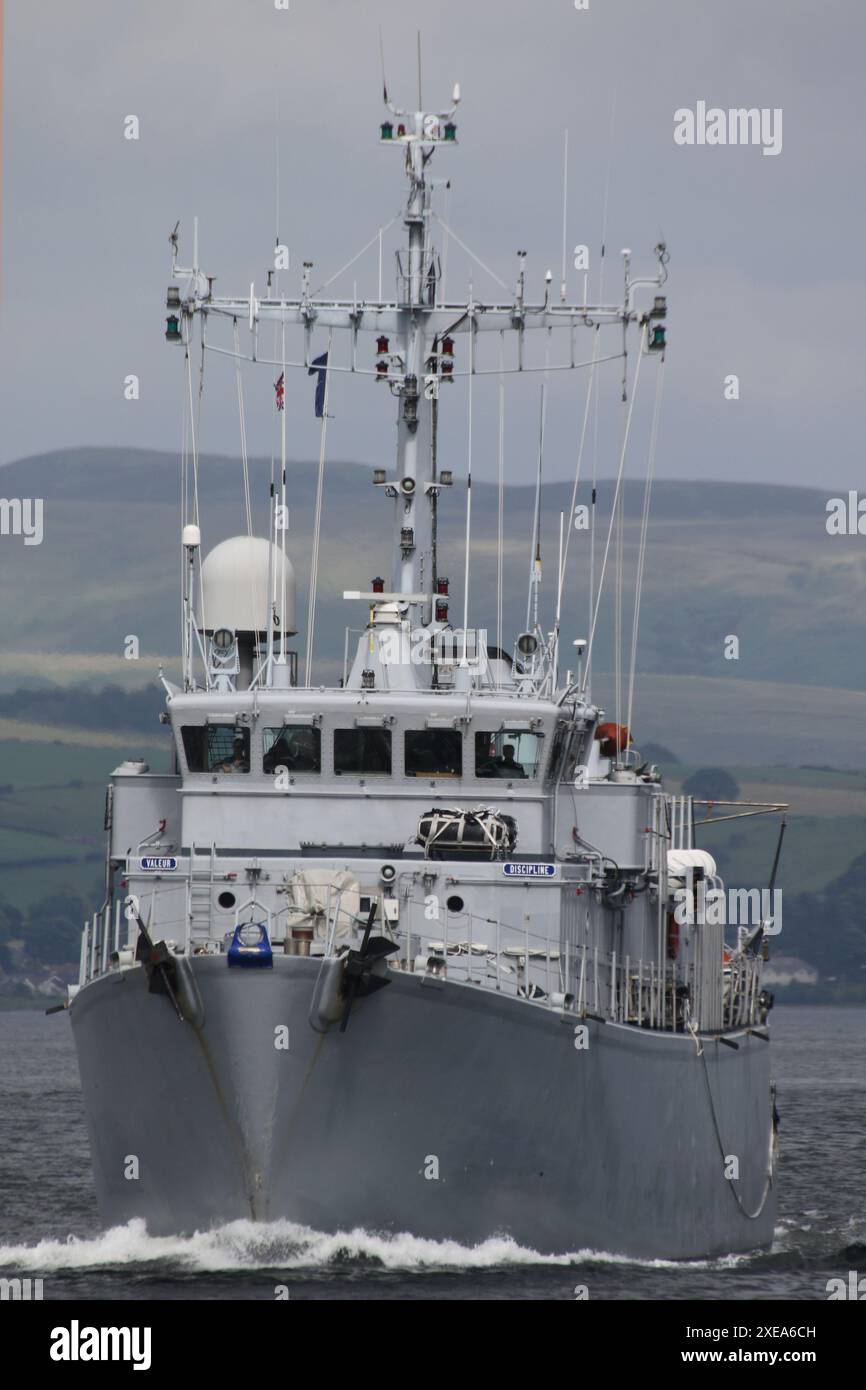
[
  {"x": 448, "y": 347},
  {"x": 441, "y": 586},
  {"x": 381, "y": 368},
  {"x": 378, "y": 585},
  {"x": 447, "y": 368},
  {"x": 381, "y": 345},
  {"x": 401, "y": 130},
  {"x": 441, "y": 612}
]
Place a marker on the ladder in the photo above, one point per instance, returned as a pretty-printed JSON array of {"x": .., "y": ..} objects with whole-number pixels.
[{"x": 199, "y": 895}]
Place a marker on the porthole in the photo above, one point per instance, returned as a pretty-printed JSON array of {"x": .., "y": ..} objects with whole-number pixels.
[
  {"x": 454, "y": 904},
  {"x": 226, "y": 900}
]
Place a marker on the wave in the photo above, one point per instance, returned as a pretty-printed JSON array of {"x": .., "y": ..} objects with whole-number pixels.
[{"x": 284, "y": 1245}]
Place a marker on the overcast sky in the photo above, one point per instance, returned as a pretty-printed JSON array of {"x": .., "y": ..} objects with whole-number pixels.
[{"x": 766, "y": 270}]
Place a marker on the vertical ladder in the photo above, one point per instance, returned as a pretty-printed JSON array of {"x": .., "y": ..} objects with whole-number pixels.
[{"x": 200, "y": 887}]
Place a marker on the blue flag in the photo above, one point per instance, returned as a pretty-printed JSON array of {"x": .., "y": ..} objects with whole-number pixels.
[{"x": 319, "y": 369}]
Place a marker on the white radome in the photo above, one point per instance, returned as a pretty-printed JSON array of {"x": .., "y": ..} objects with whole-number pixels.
[{"x": 234, "y": 582}]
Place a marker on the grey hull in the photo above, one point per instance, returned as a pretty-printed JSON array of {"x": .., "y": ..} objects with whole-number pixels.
[{"x": 618, "y": 1147}]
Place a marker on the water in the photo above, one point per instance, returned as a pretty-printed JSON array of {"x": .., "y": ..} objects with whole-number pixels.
[{"x": 49, "y": 1226}]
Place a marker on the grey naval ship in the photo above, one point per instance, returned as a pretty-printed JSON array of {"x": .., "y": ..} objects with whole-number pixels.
[{"x": 403, "y": 952}]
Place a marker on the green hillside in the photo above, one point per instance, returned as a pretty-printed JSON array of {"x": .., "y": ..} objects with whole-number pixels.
[{"x": 755, "y": 561}]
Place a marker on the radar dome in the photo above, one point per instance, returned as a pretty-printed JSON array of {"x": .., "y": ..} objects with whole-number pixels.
[{"x": 237, "y": 577}]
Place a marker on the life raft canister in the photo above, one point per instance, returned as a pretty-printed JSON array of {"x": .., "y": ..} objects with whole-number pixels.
[
  {"x": 614, "y": 738},
  {"x": 673, "y": 936}
]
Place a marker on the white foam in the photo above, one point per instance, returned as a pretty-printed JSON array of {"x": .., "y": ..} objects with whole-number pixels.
[{"x": 248, "y": 1245}]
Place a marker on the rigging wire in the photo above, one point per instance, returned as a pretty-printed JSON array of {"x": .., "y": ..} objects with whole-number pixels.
[
  {"x": 572, "y": 506},
  {"x": 619, "y": 513},
  {"x": 243, "y": 424},
  {"x": 642, "y": 551},
  {"x": 194, "y": 448},
  {"x": 444, "y": 276},
  {"x": 601, "y": 268},
  {"x": 317, "y": 526},
  {"x": 283, "y": 518},
  {"x": 184, "y": 511},
  {"x": 562, "y": 283},
  {"x": 462, "y": 244},
  {"x": 610, "y": 529},
  {"x": 469, "y": 469},
  {"x": 535, "y": 553},
  {"x": 500, "y": 503},
  {"x": 535, "y": 539},
  {"x": 377, "y": 235}
]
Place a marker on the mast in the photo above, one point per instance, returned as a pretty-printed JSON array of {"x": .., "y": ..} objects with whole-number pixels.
[
  {"x": 414, "y": 334},
  {"x": 413, "y": 562}
]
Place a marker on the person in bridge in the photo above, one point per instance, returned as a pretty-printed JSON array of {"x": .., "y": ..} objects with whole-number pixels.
[{"x": 507, "y": 765}]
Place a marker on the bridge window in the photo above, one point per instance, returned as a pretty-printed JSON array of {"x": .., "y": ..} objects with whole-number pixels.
[
  {"x": 511, "y": 754},
  {"x": 296, "y": 747},
  {"x": 433, "y": 753},
  {"x": 216, "y": 747},
  {"x": 362, "y": 751}
]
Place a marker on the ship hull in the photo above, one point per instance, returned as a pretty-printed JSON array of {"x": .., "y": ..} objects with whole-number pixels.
[{"x": 447, "y": 1111}]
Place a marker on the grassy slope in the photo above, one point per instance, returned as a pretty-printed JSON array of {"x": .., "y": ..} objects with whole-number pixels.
[
  {"x": 754, "y": 561},
  {"x": 51, "y": 835}
]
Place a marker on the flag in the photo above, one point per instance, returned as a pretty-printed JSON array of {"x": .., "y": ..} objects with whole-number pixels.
[
  {"x": 319, "y": 369},
  {"x": 280, "y": 388}
]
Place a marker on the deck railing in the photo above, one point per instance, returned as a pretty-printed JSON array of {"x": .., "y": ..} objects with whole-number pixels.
[{"x": 523, "y": 962}]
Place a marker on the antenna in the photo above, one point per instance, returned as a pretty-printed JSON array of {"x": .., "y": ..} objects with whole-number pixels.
[
  {"x": 469, "y": 468},
  {"x": 562, "y": 285},
  {"x": 535, "y": 554},
  {"x": 382, "y": 61}
]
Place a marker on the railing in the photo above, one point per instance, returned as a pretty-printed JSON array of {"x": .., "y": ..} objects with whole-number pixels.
[
  {"x": 550, "y": 970},
  {"x": 741, "y": 990},
  {"x": 487, "y": 952},
  {"x": 101, "y": 936}
]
